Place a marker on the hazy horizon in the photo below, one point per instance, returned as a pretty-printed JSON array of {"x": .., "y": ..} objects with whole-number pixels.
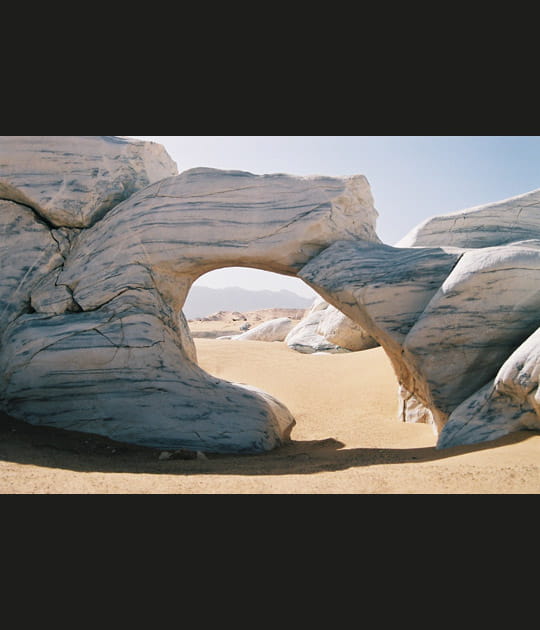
[{"x": 203, "y": 301}]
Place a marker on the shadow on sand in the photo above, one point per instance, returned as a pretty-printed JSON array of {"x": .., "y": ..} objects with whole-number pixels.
[{"x": 81, "y": 452}]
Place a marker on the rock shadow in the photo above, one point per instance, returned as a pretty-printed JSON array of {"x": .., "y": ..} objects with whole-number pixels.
[{"x": 23, "y": 443}]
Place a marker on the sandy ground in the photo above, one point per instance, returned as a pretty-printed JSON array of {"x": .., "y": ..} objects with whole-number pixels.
[{"x": 346, "y": 440}]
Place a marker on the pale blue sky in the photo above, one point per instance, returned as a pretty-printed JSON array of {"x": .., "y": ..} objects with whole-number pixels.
[{"x": 412, "y": 177}]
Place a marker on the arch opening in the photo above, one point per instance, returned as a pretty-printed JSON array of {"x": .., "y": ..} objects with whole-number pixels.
[
  {"x": 132, "y": 375},
  {"x": 330, "y": 395},
  {"x": 245, "y": 289}
]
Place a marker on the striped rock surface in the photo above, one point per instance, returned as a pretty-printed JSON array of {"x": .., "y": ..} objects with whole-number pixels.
[
  {"x": 97, "y": 340},
  {"x": 72, "y": 181},
  {"x": 459, "y": 325},
  {"x": 490, "y": 306},
  {"x": 498, "y": 223}
]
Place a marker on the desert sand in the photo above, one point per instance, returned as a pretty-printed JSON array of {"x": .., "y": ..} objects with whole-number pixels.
[{"x": 347, "y": 440}]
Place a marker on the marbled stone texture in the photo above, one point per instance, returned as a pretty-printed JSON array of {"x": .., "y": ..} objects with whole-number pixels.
[
  {"x": 509, "y": 402},
  {"x": 448, "y": 319},
  {"x": 98, "y": 342},
  {"x": 124, "y": 374},
  {"x": 203, "y": 219},
  {"x": 499, "y": 223},
  {"x": 29, "y": 254},
  {"x": 72, "y": 181}
]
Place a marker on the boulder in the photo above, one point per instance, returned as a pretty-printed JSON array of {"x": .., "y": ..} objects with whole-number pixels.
[
  {"x": 305, "y": 338},
  {"x": 72, "y": 181},
  {"x": 509, "y": 402},
  {"x": 485, "y": 308},
  {"x": 271, "y": 330},
  {"x": 499, "y": 223},
  {"x": 448, "y": 318},
  {"x": 326, "y": 329},
  {"x": 123, "y": 373}
]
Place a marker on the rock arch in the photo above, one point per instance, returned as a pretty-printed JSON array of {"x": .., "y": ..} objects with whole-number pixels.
[
  {"x": 92, "y": 332},
  {"x": 107, "y": 349}
]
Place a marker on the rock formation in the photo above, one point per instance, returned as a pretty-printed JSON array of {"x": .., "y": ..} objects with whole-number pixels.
[
  {"x": 447, "y": 318},
  {"x": 93, "y": 335},
  {"x": 327, "y": 329},
  {"x": 499, "y": 223},
  {"x": 101, "y": 240},
  {"x": 271, "y": 330},
  {"x": 72, "y": 181},
  {"x": 490, "y": 303}
]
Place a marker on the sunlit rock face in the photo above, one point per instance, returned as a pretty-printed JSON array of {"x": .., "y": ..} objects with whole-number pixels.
[
  {"x": 327, "y": 329},
  {"x": 272, "y": 330},
  {"x": 203, "y": 219},
  {"x": 93, "y": 337},
  {"x": 72, "y": 181},
  {"x": 498, "y": 223}
]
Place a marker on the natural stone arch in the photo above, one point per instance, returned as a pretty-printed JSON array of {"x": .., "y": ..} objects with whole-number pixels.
[
  {"x": 124, "y": 365},
  {"x": 205, "y": 219},
  {"x": 92, "y": 333}
]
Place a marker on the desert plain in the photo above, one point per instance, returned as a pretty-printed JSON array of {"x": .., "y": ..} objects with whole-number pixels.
[{"x": 347, "y": 439}]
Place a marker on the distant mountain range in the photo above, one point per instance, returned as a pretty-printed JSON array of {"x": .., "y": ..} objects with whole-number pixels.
[{"x": 204, "y": 301}]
